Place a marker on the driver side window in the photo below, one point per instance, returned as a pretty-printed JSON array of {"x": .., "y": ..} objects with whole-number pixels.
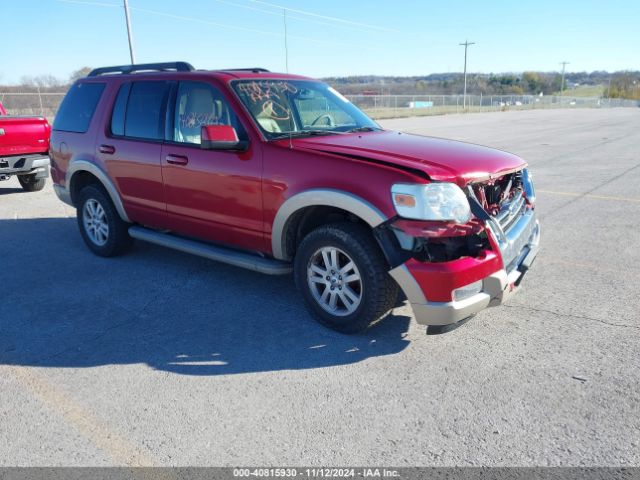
[{"x": 199, "y": 104}]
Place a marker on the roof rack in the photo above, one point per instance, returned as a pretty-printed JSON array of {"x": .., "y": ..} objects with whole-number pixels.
[
  {"x": 254, "y": 69},
  {"x": 142, "y": 67}
]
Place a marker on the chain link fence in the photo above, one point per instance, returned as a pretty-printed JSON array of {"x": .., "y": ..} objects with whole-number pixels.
[
  {"x": 376, "y": 106},
  {"x": 394, "y": 106},
  {"x": 32, "y": 103}
]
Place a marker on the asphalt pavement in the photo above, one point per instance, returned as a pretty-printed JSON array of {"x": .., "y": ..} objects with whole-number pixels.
[{"x": 160, "y": 358}]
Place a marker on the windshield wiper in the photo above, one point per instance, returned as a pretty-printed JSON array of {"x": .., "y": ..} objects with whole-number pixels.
[
  {"x": 363, "y": 129},
  {"x": 304, "y": 133}
]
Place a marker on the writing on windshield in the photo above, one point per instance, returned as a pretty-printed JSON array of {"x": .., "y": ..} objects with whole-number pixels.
[
  {"x": 269, "y": 97},
  {"x": 303, "y": 106}
]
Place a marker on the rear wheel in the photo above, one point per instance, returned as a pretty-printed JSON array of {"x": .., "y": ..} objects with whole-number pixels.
[
  {"x": 30, "y": 183},
  {"x": 102, "y": 229},
  {"x": 343, "y": 277}
]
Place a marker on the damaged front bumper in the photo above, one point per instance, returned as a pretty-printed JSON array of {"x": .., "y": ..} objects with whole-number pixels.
[{"x": 430, "y": 287}]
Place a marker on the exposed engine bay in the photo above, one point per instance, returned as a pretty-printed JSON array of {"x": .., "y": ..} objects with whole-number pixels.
[{"x": 502, "y": 198}]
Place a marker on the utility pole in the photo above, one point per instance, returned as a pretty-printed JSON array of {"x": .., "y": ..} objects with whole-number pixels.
[
  {"x": 129, "y": 32},
  {"x": 464, "y": 95},
  {"x": 564, "y": 64},
  {"x": 286, "y": 49}
]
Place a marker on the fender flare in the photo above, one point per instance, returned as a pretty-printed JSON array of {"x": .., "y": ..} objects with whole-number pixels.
[
  {"x": 86, "y": 166},
  {"x": 320, "y": 197}
]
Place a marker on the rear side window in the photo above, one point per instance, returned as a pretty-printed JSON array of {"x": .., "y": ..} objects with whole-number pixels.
[
  {"x": 78, "y": 107},
  {"x": 144, "y": 111},
  {"x": 120, "y": 110}
]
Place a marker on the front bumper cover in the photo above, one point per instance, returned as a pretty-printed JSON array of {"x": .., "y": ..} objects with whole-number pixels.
[{"x": 496, "y": 288}]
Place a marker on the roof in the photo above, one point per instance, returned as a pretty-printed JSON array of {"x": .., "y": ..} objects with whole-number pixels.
[{"x": 183, "y": 68}]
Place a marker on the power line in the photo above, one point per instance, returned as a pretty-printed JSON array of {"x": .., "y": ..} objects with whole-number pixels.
[
  {"x": 215, "y": 24},
  {"x": 111, "y": 5},
  {"x": 177, "y": 17},
  {"x": 326, "y": 17},
  {"x": 345, "y": 23},
  {"x": 205, "y": 22},
  {"x": 464, "y": 96},
  {"x": 244, "y": 29},
  {"x": 289, "y": 16}
]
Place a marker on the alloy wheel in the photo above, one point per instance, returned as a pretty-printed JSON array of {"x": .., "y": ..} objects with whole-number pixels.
[
  {"x": 335, "y": 281},
  {"x": 95, "y": 223}
]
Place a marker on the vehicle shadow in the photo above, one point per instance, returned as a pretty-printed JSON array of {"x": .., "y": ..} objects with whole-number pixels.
[
  {"x": 64, "y": 307},
  {"x": 9, "y": 190}
]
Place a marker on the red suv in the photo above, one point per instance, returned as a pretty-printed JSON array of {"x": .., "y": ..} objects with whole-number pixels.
[{"x": 280, "y": 173}]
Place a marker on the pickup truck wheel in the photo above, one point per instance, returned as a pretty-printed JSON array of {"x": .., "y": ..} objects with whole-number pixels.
[
  {"x": 102, "y": 229},
  {"x": 30, "y": 183},
  {"x": 343, "y": 277}
]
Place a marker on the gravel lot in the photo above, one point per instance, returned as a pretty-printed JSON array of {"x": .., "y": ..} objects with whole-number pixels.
[{"x": 160, "y": 358}]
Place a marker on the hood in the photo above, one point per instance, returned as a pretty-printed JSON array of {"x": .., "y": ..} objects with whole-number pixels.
[{"x": 440, "y": 159}]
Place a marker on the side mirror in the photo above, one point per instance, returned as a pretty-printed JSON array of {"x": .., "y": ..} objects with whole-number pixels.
[{"x": 221, "y": 137}]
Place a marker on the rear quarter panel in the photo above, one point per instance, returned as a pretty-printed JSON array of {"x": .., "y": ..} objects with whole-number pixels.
[{"x": 66, "y": 147}]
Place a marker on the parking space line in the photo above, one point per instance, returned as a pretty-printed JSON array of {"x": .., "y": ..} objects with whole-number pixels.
[
  {"x": 590, "y": 195},
  {"x": 121, "y": 450}
]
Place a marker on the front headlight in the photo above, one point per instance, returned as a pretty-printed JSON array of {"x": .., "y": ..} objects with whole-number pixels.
[{"x": 433, "y": 201}]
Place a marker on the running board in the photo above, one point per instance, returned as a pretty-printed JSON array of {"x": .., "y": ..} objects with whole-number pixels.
[{"x": 219, "y": 254}]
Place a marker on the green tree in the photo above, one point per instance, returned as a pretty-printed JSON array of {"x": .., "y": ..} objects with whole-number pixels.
[
  {"x": 624, "y": 85},
  {"x": 532, "y": 82},
  {"x": 80, "y": 73},
  {"x": 421, "y": 86}
]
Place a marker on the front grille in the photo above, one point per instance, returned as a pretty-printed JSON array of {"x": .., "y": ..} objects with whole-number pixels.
[
  {"x": 506, "y": 201},
  {"x": 503, "y": 198},
  {"x": 511, "y": 210}
]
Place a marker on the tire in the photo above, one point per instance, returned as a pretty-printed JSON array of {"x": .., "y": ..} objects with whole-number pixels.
[
  {"x": 30, "y": 183},
  {"x": 102, "y": 229},
  {"x": 375, "y": 291}
]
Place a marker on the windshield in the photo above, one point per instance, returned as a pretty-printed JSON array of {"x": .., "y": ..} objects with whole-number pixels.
[{"x": 300, "y": 107}]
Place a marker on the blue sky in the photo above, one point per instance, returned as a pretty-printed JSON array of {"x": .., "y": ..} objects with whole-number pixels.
[{"x": 342, "y": 37}]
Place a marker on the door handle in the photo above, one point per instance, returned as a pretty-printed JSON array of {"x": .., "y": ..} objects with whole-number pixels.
[
  {"x": 107, "y": 149},
  {"x": 177, "y": 159}
]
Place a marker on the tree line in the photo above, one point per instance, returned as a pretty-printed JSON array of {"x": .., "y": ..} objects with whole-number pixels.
[
  {"x": 45, "y": 82},
  {"x": 623, "y": 84}
]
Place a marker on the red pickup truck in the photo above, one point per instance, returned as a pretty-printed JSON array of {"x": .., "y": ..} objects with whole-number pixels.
[
  {"x": 280, "y": 173},
  {"x": 24, "y": 145}
]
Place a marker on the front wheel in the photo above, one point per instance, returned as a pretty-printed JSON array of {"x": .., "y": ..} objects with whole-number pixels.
[
  {"x": 343, "y": 277},
  {"x": 30, "y": 183},
  {"x": 102, "y": 229}
]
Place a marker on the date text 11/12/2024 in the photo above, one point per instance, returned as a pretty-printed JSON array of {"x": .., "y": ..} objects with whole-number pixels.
[{"x": 316, "y": 472}]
